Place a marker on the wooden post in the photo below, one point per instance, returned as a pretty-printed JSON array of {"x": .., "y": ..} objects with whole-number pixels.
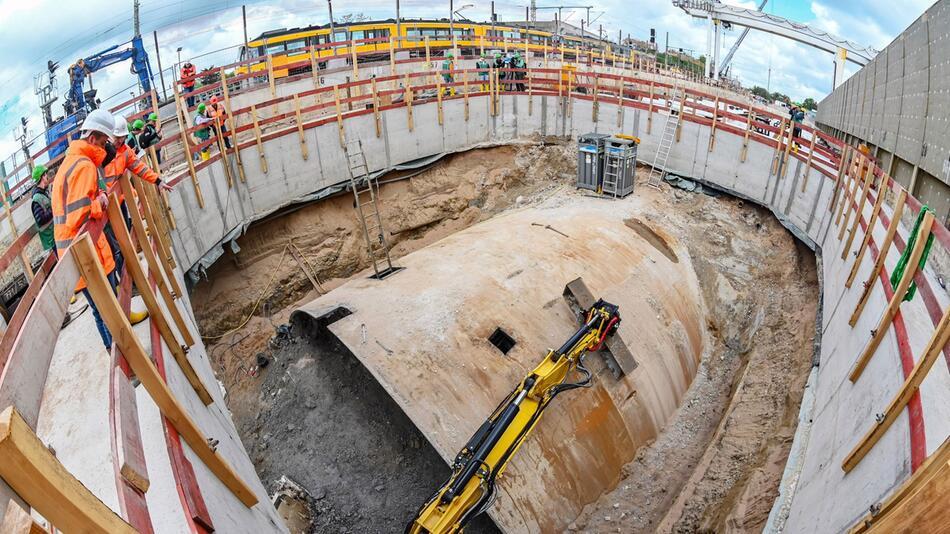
[
  {"x": 811, "y": 152},
  {"x": 859, "y": 211},
  {"x": 145, "y": 371},
  {"x": 428, "y": 55},
  {"x": 314, "y": 70},
  {"x": 846, "y": 194},
  {"x": 232, "y": 127},
  {"x": 679, "y": 119},
  {"x": 777, "y": 155},
  {"x": 545, "y": 53},
  {"x": 881, "y": 194},
  {"x": 304, "y": 152},
  {"x": 839, "y": 181},
  {"x": 392, "y": 57},
  {"x": 848, "y": 208},
  {"x": 438, "y": 96},
  {"x": 33, "y": 472},
  {"x": 408, "y": 100},
  {"x": 257, "y": 136},
  {"x": 166, "y": 206},
  {"x": 894, "y": 305},
  {"x": 356, "y": 72},
  {"x": 748, "y": 132},
  {"x": 481, "y": 44},
  {"x": 911, "y": 384},
  {"x": 491, "y": 91},
  {"x": 155, "y": 311},
  {"x": 595, "y": 107},
  {"x": 164, "y": 251},
  {"x": 788, "y": 147},
  {"x": 570, "y": 89},
  {"x": 882, "y": 255},
  {"x": 650, "y": 109},
  {"x": 712, "y": 131},
  {"x": 379, "y": 130},
  {"x": 221, "y": 150},
  {"x": 270, "y": 76},
  {"x": 187, "y": 148},
  {"x": 153, "y": 203},
  {"x": 620, "y": 103},
  {"x": 339, "y": 115},
  {"x": 465, "y": 90}
]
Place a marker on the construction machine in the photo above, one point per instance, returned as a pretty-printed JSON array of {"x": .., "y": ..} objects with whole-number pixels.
[{"x": 470, "y": 490}]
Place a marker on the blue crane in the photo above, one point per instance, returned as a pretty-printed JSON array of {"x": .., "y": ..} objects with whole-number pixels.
[{"x": 79, "y": 102}]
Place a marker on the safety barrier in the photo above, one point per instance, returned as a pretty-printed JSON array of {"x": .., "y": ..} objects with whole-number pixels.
[{"x": 859, "y": 187}]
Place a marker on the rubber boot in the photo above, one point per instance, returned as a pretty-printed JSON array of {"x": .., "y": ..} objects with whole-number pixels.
[{"x": 137, "y": 317}]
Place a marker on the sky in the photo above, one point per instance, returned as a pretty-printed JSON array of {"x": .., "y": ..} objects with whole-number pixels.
[{"x": 209, "y": 31}]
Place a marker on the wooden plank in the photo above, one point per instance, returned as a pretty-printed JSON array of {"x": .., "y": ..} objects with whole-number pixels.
[
  {"x": 314, "y": 70},
  {"x": 788, "y": 147},
  {"x": 840, "y": 181},
  {"x": 145, "y": 371},
  {"x": 16, "y": 520},
  {"x": 376, "y": 117},
  {"x": 24, "y": 259},
  {"x": 881, "y": 194},
  {"x": 153, "y": 205},
  {"x": 408, "y": 100},
  {"x": 530, "y": 94},
  {"x": 270, "y": 76},
  {"x": 155, "y": 311},
  {"x": 679, "y": 119},
  {"x": 776, "y": 155},
  {"x": 36, "y": 475},
  {"x": 650, "y": 109},
  {"x": 465, "y": 91},
  {"x": 339, "y": 114},
  {"x": 304, "y": 152},
  {"x": 848, "y": 196},
  {"x": 232, "y": 129},
  {"x": 187, "y": 148},
  {"x": 811, "y": 152},
  {"x": 938, "y": 340},
  {"x": 257, "y": 136},
  {"x": 24, "y": 376},
  {"x": 392, "y": 57},
  {"x": 162, "y": 248},
  {"x": 748, "y": 131},
  {"x": 595, "y": 108},
  {"x": 620, "y": 106},
  {"x": 130, "y": 457},
  {"x": 923, "y": 511},
  {"x": 858, "y": 213},
  {"x": 926, "y": 472},
  {"x": 225, "y": 163},
  {"x": 882, "y": 255},
  {"x": 166, "y": 207},
  {"x": 894, "y": 305},
  {"x": 153, "y": 267},
  {"x": 438, "y": 96}
]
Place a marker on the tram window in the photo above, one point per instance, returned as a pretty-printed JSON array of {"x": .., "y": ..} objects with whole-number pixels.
[
  {"x": 357, "y": 35},
  {"x": 296, "y": 45},
  {"x": 339, "y": 36},
  {"x": 276, "y": 48},
  {"x": 319, "y": 39}
]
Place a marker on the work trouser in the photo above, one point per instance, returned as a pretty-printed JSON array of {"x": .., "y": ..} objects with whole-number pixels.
[
  {"x": 224, "y": 130},
  {"x": 190, "y": 99},
  {"x": 100, "y": 325}
]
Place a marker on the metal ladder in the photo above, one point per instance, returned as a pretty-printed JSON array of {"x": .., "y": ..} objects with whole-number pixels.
[
  {"x": 366, "y": 195},
  {"x": 612, "y": 171},
  {"x": 666, "y": 143}
]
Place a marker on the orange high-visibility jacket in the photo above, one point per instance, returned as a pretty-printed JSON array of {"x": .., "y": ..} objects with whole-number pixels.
[
  {"x": 126, "y": 160},
  {"x": 74, "y": 193},
  {"x": 187, "y": 73}
]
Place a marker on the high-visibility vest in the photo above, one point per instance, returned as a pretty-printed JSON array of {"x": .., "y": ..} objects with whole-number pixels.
[
  {"x": 75, "y": 189},
  {"x": 45, "y": 231},
  {"x": 188, "y": 73},
  {"x": 126, "y": 160}
]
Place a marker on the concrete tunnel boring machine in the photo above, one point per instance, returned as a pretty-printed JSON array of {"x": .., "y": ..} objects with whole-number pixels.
[{"x": 813, "y": 191}]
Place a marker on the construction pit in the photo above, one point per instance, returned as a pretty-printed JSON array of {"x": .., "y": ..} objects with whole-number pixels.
[{"x": 362, "y": 390}]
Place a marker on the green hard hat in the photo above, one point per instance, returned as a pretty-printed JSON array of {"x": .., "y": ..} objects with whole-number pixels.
[
  {"x": 153, "y": 116},
  {"x": 497, "y": 54},
  {"x": 138, "y": 124},
  {"x": 38, "y": 172},
  {"x": 201, "y": 108},
  {"x": 449, "y": 54},
  {"x": 483, "y": 54}
]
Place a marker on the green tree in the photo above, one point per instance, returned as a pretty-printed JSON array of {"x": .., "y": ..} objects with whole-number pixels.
[{"x": 761, "y": 92}]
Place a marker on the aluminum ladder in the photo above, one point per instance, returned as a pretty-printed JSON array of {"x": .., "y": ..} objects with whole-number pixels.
[
  {"x": 366, "y": 201},
  {"x": 612, "y": 170},
  {"x": 657, "y": 171}
]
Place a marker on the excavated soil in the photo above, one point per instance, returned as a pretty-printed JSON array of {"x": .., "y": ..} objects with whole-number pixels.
[{"x": 315, "y": 415}]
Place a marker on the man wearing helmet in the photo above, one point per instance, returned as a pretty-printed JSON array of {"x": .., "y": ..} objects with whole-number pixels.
[
  {"x": 187, "y": 78},
  {"x": 217, "y": 113},
  {"x": 150, "y": 134},
  {"x": 77, "y": 198}
]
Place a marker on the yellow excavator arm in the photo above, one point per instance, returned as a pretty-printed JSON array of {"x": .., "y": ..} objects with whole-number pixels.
[{"x": 470, "y": 490}]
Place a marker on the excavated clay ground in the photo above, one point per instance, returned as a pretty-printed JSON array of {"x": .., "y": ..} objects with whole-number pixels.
[{"x": 315, "y": 415}]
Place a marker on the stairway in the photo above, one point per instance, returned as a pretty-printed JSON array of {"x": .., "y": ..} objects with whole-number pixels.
[
  {"x": 657, "y": 171},
  {"x": 366, "y": 197}
]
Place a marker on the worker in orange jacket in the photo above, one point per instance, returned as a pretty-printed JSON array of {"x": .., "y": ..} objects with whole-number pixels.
[
  {"x": 218, "y": 114},
  {"x": 188, "y": 81},
  {"x": 126, "y": 160},
  {"x": 76, "y": 198}
]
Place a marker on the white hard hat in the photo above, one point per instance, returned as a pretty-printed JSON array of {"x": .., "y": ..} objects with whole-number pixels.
[
  {"x": 99, "y": 120},
  {"x": 121, "y": 127}
]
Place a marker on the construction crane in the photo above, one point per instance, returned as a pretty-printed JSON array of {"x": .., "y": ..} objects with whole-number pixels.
[
  {"x": 732, "y": 51},
  {"x": 78, "y": 101},
  {"x": 470, "y": 490}
]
